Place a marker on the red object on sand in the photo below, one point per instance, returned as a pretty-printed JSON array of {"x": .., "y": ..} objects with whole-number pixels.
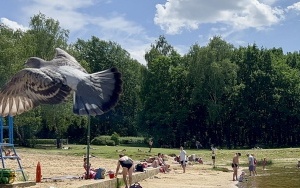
[
  {"x": 111, "y": 176},
  {"x": 38, "y": 177}
]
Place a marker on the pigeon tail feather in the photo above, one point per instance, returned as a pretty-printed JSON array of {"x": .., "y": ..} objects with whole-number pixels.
[{"x": 99, "y": 94}]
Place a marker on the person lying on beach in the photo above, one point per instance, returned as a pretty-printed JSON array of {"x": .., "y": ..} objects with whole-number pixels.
[
  {"x": 159, "y": 162},
  {"x": 199, "y": 160},
  {"x": 7, "y": 152}
]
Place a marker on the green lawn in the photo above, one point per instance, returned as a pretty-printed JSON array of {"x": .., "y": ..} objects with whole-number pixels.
[{"x": 223, "y": 157}]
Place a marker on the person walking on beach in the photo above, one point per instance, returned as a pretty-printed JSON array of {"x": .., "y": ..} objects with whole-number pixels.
[
  {"x": 150, "y": 144},
  {"x": 127, "y": 165},
  {"x": 213, "y": 157},
  {"x": 182, "y": 158},
  {"x": 255, "y": 163},
  {"x": 235, "y": 165},
  {"x": 251, "y": 164},
  {"x": 264, "y": 163}
]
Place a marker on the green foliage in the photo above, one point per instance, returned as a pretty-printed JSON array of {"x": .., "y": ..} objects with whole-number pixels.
[
  {"x": 132, "y": 141},
  {"x": 116, "y": 138},
  {"x": 110, "y": 142},
  {"x": 46, "y": 142},
  {"x": 100, "y": 140},
  {"x": 215, "y": 94}
]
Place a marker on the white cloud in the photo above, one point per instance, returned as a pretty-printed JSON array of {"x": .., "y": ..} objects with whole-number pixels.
[
  {"x": 268, "y": 2},
  {"x": 176, "y": 15},
  {"x": 65, "y": 11},
  {"x": 295, "y": 6},
  {"x": 75, "y": 16},
  {"x": 12, "y": 24}
]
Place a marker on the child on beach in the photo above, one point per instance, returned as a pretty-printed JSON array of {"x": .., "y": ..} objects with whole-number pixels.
[
  {"x": 242, "y": 176},
  {"x": 200, "y": 160},
  {"x": 264, "y": 163}
]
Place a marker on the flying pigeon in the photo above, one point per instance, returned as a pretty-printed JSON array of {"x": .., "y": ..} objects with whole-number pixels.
[{"x": 51, "y": 82}]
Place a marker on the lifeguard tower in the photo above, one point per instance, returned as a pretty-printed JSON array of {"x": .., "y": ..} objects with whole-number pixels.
[{"x": 7, "y": 150}]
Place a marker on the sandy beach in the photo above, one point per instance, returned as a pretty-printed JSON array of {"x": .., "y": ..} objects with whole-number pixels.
[{"x": 60, "y": 171}]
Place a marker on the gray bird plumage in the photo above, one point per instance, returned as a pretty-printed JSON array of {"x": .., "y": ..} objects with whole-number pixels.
[{"x": 51, "y": 82}]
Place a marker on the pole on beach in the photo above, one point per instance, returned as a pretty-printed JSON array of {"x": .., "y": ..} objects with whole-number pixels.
[{"x": 88, "y": 148}]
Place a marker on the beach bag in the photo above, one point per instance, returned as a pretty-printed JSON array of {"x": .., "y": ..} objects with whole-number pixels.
[
  {"x": 100, "y": 174},
  {"x": 139, "y": 168},
  {"x": 136, "y": 185}
]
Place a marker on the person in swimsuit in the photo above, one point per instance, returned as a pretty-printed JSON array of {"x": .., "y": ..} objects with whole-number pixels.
[
  {"x": 213, "y": 157},
  {"x": 127, "y": 165},
  {"x": 92, "y": 171},
  {"x": 235, "y": 165}
]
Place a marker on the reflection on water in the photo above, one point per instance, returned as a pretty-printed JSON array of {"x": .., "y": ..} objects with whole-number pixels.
[{"x": 288, "y": 177}]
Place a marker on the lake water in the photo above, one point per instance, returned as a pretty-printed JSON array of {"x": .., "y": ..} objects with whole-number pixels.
[{"x": 273, "y": 177}]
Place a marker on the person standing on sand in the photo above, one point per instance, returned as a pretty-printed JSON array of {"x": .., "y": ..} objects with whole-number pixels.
[
  {"x": 213, "y": 157},
  {"x": 235, "y": 165},
  {"x": 255, "y": 162},
  {"x": 251, "y": 164},
  {"x": 182, "y": 158},
  {"x": 264, "y": 163},
  {"x": 150, "y": 144},
  {"x": 127, "y": 165}
]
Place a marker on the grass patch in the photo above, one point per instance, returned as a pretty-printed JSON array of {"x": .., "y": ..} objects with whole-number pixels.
[{"x": 223, "y": 157}]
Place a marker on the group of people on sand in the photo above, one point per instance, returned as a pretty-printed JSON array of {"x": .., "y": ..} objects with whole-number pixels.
[
  {"x": 127, "y": 165},
  {"x": 252, "y": 162},
  {"x": 251, "y": 166},
  {"x": 124, "y": 162},
  {"x": 159, "y": 162}
]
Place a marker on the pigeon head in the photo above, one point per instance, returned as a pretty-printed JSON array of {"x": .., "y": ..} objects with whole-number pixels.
[{"x": 34, "y": 62}]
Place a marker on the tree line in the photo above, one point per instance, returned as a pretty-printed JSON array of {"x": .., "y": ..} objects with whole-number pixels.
[{"x": 216, "y": 94}]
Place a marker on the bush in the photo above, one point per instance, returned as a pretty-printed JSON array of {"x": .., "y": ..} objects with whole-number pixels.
[
  {"x": 115, "y": 137},
  {"x": 132, "y": 141},
  {"x": 34, "y": 142},
  {"x": 100, "y": 140},
  {"x": 110, "y": 143},
  {"x": 103, "y": 140}
]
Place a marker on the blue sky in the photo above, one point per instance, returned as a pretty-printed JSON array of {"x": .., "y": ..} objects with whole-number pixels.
[{"x": 135, "y": 24}]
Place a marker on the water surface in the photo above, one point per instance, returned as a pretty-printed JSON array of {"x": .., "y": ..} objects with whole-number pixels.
[{"x": 273, "y": 177}]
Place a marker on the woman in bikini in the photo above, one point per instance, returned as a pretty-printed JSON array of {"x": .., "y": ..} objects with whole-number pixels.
[{"x": 127, "y": 165}]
